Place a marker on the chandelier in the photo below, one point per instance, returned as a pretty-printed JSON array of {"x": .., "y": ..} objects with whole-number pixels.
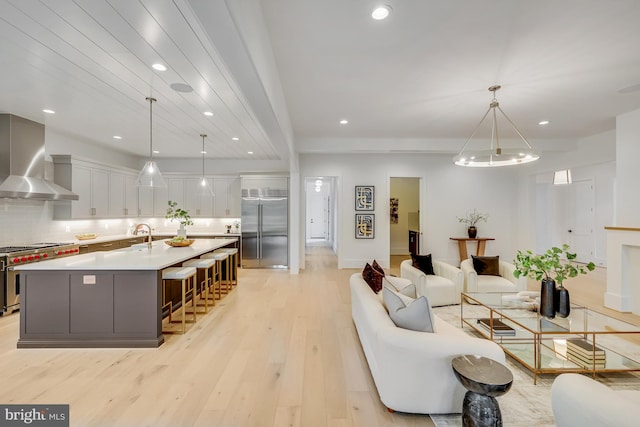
[{"x": 495, "y": 154}]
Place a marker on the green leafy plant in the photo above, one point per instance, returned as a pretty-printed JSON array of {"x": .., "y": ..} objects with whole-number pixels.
[
  {"x": 473, "y": 217},
  {"x": 181, "y": 215},
  {"x": 550, "y": 265}
]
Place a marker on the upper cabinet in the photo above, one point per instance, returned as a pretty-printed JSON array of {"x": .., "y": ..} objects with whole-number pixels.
[
  {"x": 227, "y": 197},
  {"x": 123, "y": 195},
  {"x": 111, "y": 192},
  {"x": 197, "y": 201},
  {"x": 91, "y": 184}
]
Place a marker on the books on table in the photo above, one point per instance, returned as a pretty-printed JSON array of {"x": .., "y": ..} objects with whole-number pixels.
[
  {"x": 498, "y": 327},
  {"x": 583, "y": 353}
]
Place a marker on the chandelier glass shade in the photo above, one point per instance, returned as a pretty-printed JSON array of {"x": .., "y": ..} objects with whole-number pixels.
[
  {"x": 150, "y": 175},
  {"x": 495, "y": 154}
]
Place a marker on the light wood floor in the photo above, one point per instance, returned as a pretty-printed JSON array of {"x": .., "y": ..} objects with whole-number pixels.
[{"x": 280, "y": 350}]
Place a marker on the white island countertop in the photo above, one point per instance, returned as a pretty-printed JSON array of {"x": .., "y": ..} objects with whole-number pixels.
[{"x": 137, "y": 257}]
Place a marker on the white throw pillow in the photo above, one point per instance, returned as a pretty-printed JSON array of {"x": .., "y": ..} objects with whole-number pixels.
[
  {"x": 400, "y": 284},
  {"x": 415, "y": 315}
]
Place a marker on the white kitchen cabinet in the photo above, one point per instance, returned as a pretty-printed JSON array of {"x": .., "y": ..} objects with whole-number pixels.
[
  {"x": 145, "y": 201},
  {"x": 123, "y": 195},
  {"x": 153, "y": 202},
  {"x": 227, "y": 197},
  {"x": 160, "y": 201},
  {"x": 199, "y": 204},
  {"x": 91, "y": 184},
  {"x": 176, "y": 192}
]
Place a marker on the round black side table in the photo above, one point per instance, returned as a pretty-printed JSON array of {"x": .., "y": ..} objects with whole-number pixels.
[{"x": 485, "y": 379}]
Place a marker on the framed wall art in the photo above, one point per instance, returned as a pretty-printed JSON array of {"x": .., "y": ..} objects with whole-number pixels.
[
  {"x": 365, "y": 226},
  {"x": 364, "y": 197}
]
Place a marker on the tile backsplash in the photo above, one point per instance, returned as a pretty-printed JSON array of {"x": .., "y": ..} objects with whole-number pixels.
[{"x": 31, "y": 221}]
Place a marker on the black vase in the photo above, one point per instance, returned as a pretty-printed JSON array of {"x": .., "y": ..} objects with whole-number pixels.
[
  {"x": 547, "y": 298},
  {"x": 472, "y": 232},
  {"x": 563, "y": 306}
]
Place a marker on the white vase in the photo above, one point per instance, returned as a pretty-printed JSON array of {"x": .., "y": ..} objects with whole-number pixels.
[{"x": 182, "y": 232}]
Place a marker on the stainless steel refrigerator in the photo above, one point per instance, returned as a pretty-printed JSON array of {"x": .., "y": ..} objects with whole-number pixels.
[{"x": 265, "y": 228}]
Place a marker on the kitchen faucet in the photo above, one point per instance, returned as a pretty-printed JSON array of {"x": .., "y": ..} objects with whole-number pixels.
[{"x": 139, "y": 227}]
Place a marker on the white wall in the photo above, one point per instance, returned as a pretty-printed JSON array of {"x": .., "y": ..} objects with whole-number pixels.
[
  {"x": 627, "y": 170},
  {"x": 449, "y": 191}
]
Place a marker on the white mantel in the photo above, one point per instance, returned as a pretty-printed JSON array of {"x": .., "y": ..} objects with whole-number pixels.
[{"x": 623, "y": 269}]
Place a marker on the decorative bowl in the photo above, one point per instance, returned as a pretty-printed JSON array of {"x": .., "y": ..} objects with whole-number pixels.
[
  {"x": 179, "y": 243},
  {"x": 86, "y": 236}
]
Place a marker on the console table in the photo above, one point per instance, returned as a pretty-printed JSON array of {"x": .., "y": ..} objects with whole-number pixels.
[{"x": 462, "y": 245}]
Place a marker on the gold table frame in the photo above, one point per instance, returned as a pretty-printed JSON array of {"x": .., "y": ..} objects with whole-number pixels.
[{"x": 537, "y": 341}]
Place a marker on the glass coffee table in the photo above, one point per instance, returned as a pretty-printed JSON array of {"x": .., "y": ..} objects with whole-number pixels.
[{"x": 586, "y": 341}]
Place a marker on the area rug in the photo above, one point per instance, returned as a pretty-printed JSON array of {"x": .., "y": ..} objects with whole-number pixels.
[{"x": 525, "y": 404}]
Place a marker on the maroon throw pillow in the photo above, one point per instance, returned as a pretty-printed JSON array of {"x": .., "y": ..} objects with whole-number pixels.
[
  {"x": 422, "y": 263},
  {"x": 377, "y": 267},
  {"x": 373, "y": 278},
  {"x": 486, "y": 265}
]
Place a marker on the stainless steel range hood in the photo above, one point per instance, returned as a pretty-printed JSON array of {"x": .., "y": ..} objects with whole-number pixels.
[{"x": 22, "y": 162}]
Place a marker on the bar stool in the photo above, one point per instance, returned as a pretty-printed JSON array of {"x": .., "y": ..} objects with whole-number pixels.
[
  {"x": 205, "y": 280},
  {"x": 220, "y": 258},
  {"x": 233, "y": 254},
  {"x": 187, "y": 277}
]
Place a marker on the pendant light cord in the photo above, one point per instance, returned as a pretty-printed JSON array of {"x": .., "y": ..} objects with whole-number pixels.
[
  {"x": 151, "y": 101},
  {"x": 203, "y": 135}
]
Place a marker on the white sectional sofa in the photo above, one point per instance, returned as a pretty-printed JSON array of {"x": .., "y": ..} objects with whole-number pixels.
[
  {"x": 579, "y": 401},
  {"x": 505, "y": 282},
  {"x": 443, "y": 288},
  {"x": 412, "y": 370}
]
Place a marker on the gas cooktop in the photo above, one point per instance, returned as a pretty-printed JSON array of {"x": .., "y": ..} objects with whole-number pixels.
[{"x": 31, "y": 246}]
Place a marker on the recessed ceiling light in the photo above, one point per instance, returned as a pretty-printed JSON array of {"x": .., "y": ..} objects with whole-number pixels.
[
  {"x": 344, "y": 122},
  {"x": 249, "y": 152},
  {"x": 156, "y": 152},
  {"x": 159, "y": 67},
  {"x": 235, "y": 138},
  {"x": 543, "y": 122},
  {"x": 203, "y": 152},
  {"x": 48, "y": 111},
  {"x": 208, "y": 113},
  {"x": 381, "y": 12},
  {"x": 117, "y": 137}
]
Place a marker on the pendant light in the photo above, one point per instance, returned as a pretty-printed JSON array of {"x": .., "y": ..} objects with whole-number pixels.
[
  {"x": 150, "y": 175},
  {"x": 205, "y": 187},
  {"x": 495, "y": 154},
  {"x": 562, "y": 177}
]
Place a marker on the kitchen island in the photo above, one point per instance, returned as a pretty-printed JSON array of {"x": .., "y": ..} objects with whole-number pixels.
[{"x": 101, "y": 299}]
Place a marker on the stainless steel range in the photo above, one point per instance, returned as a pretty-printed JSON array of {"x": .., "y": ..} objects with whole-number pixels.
[{"x": 11, "y": 256}]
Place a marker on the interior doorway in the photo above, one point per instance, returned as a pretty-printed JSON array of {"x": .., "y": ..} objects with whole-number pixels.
[
  {"x": 581, "y": 220},
  {"x": 404, "y": 214},
  {"x": 320, "y": 229}
]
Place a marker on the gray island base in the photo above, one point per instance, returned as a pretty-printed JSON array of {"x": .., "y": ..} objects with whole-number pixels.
[{"x": 100, "y": 300}]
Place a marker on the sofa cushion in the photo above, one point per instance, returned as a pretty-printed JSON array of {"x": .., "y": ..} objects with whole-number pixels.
[
  {"x": 408, "y": 313},
  {"x": 486, "y": 265},
  {"x": 422, "y": 263},
  {"x": 400, "y": 284},
  {"x": 373, "y": 278}
]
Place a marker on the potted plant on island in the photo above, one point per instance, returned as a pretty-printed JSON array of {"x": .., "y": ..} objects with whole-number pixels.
[
  {"x": 472, "y": 218},
  {"x": 181, "y": 215},
  {"x": 551, "y": 269}
]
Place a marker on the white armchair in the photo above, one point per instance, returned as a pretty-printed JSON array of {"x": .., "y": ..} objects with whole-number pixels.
[
  {"x": 505, "y": 282},
  {"x": 441, "y": 288}
]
